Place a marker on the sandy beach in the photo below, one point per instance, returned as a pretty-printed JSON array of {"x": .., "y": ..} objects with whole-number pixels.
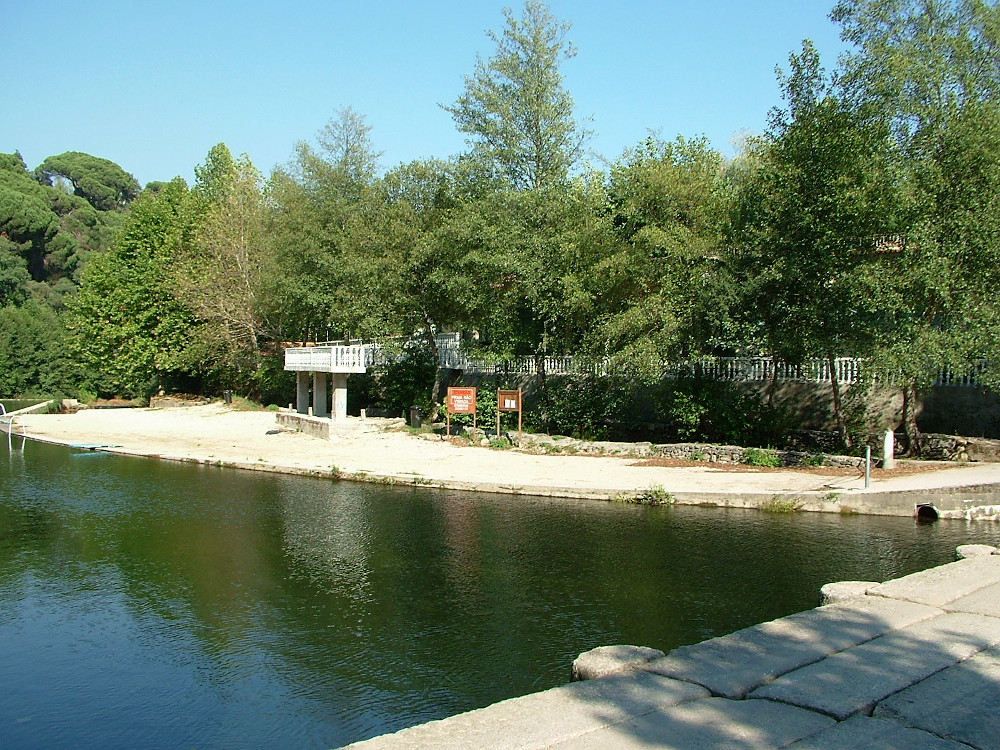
[{"x": 379, "y": 450}]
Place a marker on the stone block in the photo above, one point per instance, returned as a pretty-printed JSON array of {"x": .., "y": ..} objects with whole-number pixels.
[
  {"x": 985, "y": 601},
  {"x": 544, "y": 719},
  {"x": 944, "y": 584},
  {"x": 855, "y": 680},
  {"x": 831, "y": 593},
  {"x": 735, "y": 664},
  {"x": 608, "y": 660},
  {"x": 707, "y": 725},
  {"x": 961, "y": 702},
  {"x": 864, "y": 733},
  {"x": 964, "y": 551}
]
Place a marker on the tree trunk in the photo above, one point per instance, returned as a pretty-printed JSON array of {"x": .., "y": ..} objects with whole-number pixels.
[
  {"x": 838, "y": 411},
  {"x": 914, "y": 439},
  {"x": 773, "y": 381},
  {"x": 438, "y": 372}
]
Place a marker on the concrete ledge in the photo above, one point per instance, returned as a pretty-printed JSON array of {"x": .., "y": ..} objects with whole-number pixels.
[
  {"x": 543, "y": 719},
  {"x": 318, "y": 427}
]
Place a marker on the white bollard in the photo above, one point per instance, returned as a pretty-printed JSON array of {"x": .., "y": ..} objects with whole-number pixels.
[{"x": 889, "y": 450}]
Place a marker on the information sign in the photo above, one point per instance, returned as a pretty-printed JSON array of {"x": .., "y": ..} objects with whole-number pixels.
[
  {"x": 509, "y": 401},
  {"x": 461, "y": 401}
]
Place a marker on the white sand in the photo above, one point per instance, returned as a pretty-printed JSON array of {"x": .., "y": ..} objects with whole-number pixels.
[{"x": 217, "y": 434}]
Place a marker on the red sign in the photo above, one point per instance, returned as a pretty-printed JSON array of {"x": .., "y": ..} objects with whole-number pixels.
[{"x": 462, "y": 400}]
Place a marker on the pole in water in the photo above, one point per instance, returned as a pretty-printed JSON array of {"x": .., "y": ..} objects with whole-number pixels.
[{"x": 868, "y": 466}]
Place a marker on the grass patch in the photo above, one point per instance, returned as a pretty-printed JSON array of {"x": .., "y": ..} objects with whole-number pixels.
[
  {"x": 777, "y": 505},
  {"x": 655, "y": 495}
]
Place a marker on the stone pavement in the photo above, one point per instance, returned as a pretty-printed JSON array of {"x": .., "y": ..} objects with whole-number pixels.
[{"x": 910, "y": 663}]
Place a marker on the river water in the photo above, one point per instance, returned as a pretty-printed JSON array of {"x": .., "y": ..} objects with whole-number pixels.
[{"x": 159, "y": 605}]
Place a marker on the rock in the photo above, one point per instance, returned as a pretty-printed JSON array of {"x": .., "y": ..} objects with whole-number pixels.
[
  {"x": 975, "y": 550},
  {"x": 840, "y": 590},
  {"x": 609, "y": 660}
]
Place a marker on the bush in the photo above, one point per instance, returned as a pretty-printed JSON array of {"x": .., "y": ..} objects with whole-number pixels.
[
  {"x": 712, "y": 411},
  {"x": 408, "y": 381},
  {"x": 590, "y": 407},
  {"x": 758, "y": 457}
]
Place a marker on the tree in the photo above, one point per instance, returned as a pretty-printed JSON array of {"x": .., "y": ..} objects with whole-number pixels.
[
  {"x": 821, "y": 194},
  {"x": 515, "y": 110},
  {"x": 102, "y": 182},
  {"x": 225, "y": 276},
  {"x": 655, "y": 280},
  {"x": 931, "y": 67},
  {"x": 318, "y": 200},
  {"x": 126, "y": 324}
]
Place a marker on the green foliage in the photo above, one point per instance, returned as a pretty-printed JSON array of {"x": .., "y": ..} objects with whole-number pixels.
[
  {"x": 33, "y": 359},
  {"x": 408, "y": 381},
  {"x": 758, "y": 457},
  {"x": 127, "y": 326},
  {"x": 104, "y": 184},
  {"x": 515, "y": 110},
  {"x": 699, "y": 409},
  {"x": 655, "y": 495},
  {"x": 777, "y": 505},
  {"x": 583, "y": 406}
]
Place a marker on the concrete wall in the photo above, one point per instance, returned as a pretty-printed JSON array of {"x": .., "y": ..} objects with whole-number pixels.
[{"x": 951, "y": 410}]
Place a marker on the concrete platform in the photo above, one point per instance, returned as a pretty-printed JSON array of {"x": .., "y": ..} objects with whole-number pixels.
[{"x": 913, "y": 663}]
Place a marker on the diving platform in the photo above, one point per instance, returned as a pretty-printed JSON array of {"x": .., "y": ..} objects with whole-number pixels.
[{"x": 322, "y": 371}]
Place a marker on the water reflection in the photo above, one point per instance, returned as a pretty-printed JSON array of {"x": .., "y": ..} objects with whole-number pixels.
[{"x": 161, "y": 605}]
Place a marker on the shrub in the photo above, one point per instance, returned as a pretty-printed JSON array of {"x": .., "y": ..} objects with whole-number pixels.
[{"x": 758, "y": 457}]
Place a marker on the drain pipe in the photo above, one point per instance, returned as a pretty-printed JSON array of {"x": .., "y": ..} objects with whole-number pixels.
[{"x": 926, "y": 512}]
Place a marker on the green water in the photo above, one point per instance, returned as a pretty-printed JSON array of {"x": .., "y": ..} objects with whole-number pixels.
[{"x": 157, "y": 605}]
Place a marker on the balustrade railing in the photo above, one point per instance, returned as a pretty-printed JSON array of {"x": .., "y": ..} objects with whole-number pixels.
[{"x": 357, "y": 356}]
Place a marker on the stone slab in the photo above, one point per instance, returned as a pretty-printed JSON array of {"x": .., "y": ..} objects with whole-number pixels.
[
  {"x": 710, "y": 724},
  {"x": 961, "y": 702},
  {"x": 944, "y": 584},
  {"x": 985, "y": 601},
  {"x": 854, "y": 681},
  {"x": 864, "y": 733},
  {"x": 735, "y": 664},
  {"x": 608, "y": 660},
  {"x": 542, "y": 719},
  {"x": 973, "y": 550},
  {"x": 831, "y": 593}
]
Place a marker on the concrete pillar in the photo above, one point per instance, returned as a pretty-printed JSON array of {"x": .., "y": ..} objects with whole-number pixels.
[
  {"x": 319, "y": 394},
  {"x": 339, "y": 396},
  {"x": 302, "y": 392},
  {"x": 889, "y": 450}
]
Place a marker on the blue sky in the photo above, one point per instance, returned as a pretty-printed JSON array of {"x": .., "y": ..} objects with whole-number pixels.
[{"x": 154, "y": 85}]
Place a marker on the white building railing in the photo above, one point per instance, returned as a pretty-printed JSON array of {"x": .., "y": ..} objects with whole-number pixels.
[{"x": 356, "y": 356}]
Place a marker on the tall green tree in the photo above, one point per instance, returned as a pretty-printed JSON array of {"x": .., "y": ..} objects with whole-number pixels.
[
  {"x": 225, "y": 274},
  {"x": 820, "y": 198},
  {"x": 127, "y": 325},
  {"x": 656, "y": 278},
  {"x": 931, "y": 67},
  {"x": 517, "y": 114},
  {"x": 319, "y": 201}
]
